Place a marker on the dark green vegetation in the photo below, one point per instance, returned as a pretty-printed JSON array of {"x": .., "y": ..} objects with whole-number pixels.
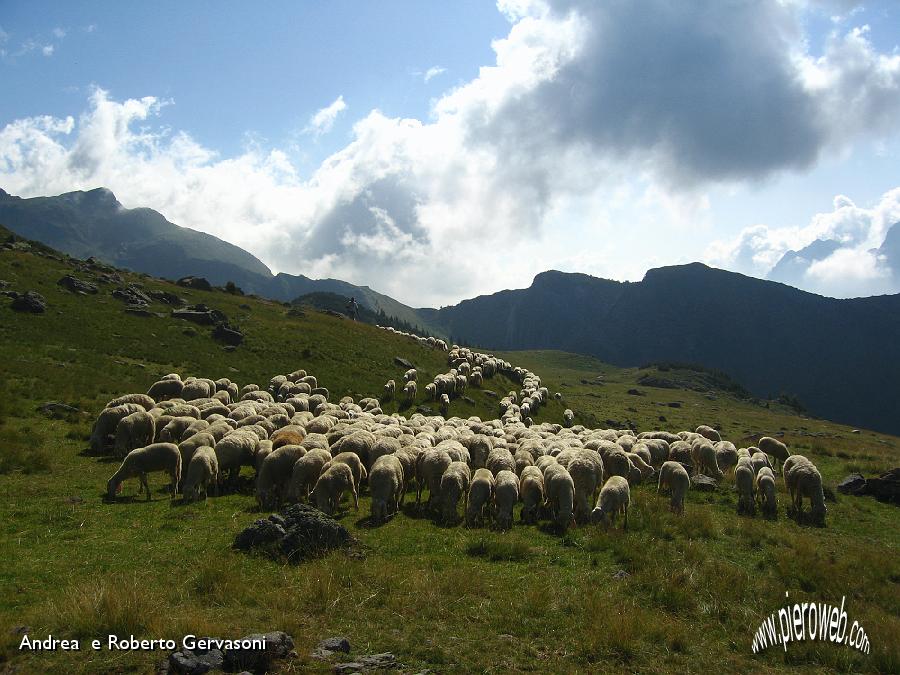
[
  {"x": 94, "y": 223},
  {"x": 841, "y": 358},
  {"x": 694, "y": 589}
]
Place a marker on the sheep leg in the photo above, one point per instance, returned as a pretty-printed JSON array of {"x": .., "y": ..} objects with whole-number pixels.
[
  {"x": 625, "y": 526},
  {"x": 145, "y": 486},
  {"x": 355, "y": 499}
]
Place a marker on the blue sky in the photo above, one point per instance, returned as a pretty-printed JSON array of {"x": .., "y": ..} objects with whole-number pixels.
[{"x": 435, "y": 151}]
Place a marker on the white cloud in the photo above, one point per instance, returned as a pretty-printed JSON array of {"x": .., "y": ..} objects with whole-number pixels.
[
  {"x": 587, "y": 144},
  {"x": 59, "y": 33},
  {"x": 47, "y": 50},
  {"x": 432, "y": 72},
  {"x": 323, "y": 120}
]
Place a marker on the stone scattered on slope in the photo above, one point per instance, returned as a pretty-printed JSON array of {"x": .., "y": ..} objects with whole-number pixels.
[
  {"x": 30, "y": 301},
  {"x": 224, "y": 333},
  {"x": 57, "y": 408},
  {"x": 131, "y": 295},
  {"x": 167, "y": 298},
  {"x": 200, "y": 314},
  {"x": 76, "y": 285},
  {"x": 400, "y": 361},
  {"x": 703, "y": 483},
  {"x": 278, "y": 645},
  {"x": 299, "y": 532},
  {"x": 198, "y": 283}
]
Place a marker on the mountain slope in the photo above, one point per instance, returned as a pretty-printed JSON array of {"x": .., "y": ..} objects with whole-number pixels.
[
  {"x": 840, "y": 357},
  {"x": 94, "y": 223},
  {"x": 793, "y": 264}
]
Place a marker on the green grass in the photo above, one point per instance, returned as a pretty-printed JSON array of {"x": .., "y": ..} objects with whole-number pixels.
[{"x": 694, "y": 588}]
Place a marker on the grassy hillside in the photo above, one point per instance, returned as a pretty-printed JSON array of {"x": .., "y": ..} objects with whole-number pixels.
[{"x": 449, "y": 599}]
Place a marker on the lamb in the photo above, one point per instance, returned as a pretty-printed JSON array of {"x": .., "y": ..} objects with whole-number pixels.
[
  {"x": 531, "y": 490},
  {"x": 429, "y": 469},
  {"x": 506, "y": 494},
  {"x": 614, "y": 498},
  {"x": 331, "y": 486},
  {"x": 568, "y": 418},
  {"x": 141, "y": 461},
  {"x": 774, "y": 447},
  {"x": 673, "y": 476},
  {"x": 306, "y": 472},
  {"x": 804, "y": 480},
  {"x": 388, "y": 390},
  {"x": 136, "y": 430},
  {"x": 481, "y": 491},
  {"x": 106, "y": 423},
  {"x": 743, "y": 478},
  {"x": 202, "y": 471},
  {"x": 454, "y": 484},
  {"x": 275, "y": 473},
  {"x": 765, "y": 492},
  {"x": 561, "y": 495},
  {"x": 386, "y": 485}
]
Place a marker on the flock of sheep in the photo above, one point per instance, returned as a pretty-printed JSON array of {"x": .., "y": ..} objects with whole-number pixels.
[{"x": 304, "y": 447}]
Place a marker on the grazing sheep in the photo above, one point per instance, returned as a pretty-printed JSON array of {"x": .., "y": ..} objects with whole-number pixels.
[
  {"x": 506, "y": 494},
  {"x": 673, "y": 476},
  {"x": 202, "y": 471},
  {"x": 726, "y": 456},
  {"x": 331, "y": 486},
  {"x": 531, "y": 490},
  {"x": 292, "y": 434},
  {"x": 479, "y": 446},
  {"x": 106, "y": 423},
  {"x": 758, "y": 461},
  {"x": 386, "y": 486},
  {"x": 141, "y": 461},
  {"x": 743, "y": 479},
  {"x": 189, "y": 446},
  {"x": 306, "y": 472},
  {"x": 560, "y": 495},
  {"x": 640, "y": 464},
  {"x": 454, "y": 484},
  {"x": 765, "y": 492},
  {"x": 614, "y": 498},
  {"x": 804, "y": 480},
  {"x": 409, "y": 391},
  {"x": 481, "y": 491},
  {"x": 445, "y": 405},
  {"x": 173, "y": 429},
  {"x": 357, "y": 468},
  {"x": 568, "y": 418},
  {"x": 522, "y": 459},
  {"x": 709, "y": 433},
  {"x": 388, "y": 390},
  {"x": 584, "y": 476},
  {"x": 429, "y": 469},
  {"x": 136, "y": 430},
  {"x": 165, "y": 389},
  {"x": 703, "y": 455},
  {"x": 235, "y": 450},
  {"x": 275, "y": 473},
  {"x": 140, "y": 399},
  {"x": 500, "y": 459},
  {"x": 616, "y": 463},
  {"x": 774, "y": 447},
  {"x": 410, "y": 375}
]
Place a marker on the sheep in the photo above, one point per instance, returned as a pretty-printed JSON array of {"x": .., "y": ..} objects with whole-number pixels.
[
  {"x": 141, "y": 461},
  {"x": 194, "y": 427},
  {"x": 726, "y": 456},
  {"x": 584, "y": 476},
  {"x": 106, "y": 423},
  {"x": 804, "y": 480},
  {"x": 235, "y": 450},
  {"x": 479, "y": 447},
  {"x": 614, "y": 497},
  {"x": 306, "y": 472},
  {"x": 352, "y": 460},
  {"x": 673, "y": 476},
  {"x": 640, "y": 464},
  {"x": 531, "y": 490},
  {"x": 136, "y": 430},
  {"x": 522, "y": 458},
  {"x": 164, "y": 389},
  {"x": 759, "y": 460},
  {"x": 498, "y": 460},
  {"x": 383, "y": 445},
  {"x": 765, "y": 492},
  {"x": 429, "y": 469},
  {"x": 454, "y": 484},
  {"x": 386, "y": 486},
  {"x": 708, "y": 432},
  {"x": 445, "y": 405},
  {"x": 616, "y": 463},
  {"x": 292, "y": 434},
  {"x": 561, "y": 495},
  {"x": 481, "y": 491},
  {"x": 774, "y": 447},
  {"x": 568, "y": 418},
  {"x": 680, "y": 451},
  {"x": 703, "y": 455},
  {"x": 506, "y": 494},
  {"x": 410, "y": 375},
  {"x": 189, "y": 446},
  {"x": 743, "y": 478},
  {"x": 388, "y": 390},
  {"x": 275, "y": 473},
  {"x": 140, "y": 399},
  {"x": 171, "y": 429},
  {"x": 202, "y": 471},
  {"x": 331, "y": 486},
  {"x": 409, "y": 390}
]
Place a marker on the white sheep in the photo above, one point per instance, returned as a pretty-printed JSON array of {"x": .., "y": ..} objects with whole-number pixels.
[
  {"x": 386, "y": 487},
  {"x": 774, "y": 447},
  {"x": 388, "y": 390},
  {"x": 708, "y": 432},
  {"x": 481, "y": 491},
  {"x": 409, "y": 391},
  {"x": 531, "y": 491},
  {"x": 703, "y": 455},
  {"x": 500, "y": 459},
  {"x": 560, "y": 495},
  {"x": 106, "y": 423},
  {"x": 136, "y": 430},
  {"x": 275, "y": 473},
  {"x": 804, "y": 480},
  {"x": 306, "y": 472},
  {"x": 614, "y": 498},
  {"x": 202, "y": 471},
  {"x": 674, "y": 477},
  {"x": 141, "y": 461},
  {"x": 586, "y": 480},
  {"x": 568, "y": 418},
  {"x": 765, "y": 492},
  {"x": 506, "y": 494},
  {"x": 454, "y": 485},
  {"x": 743, "y": 479},
  {"x": 430, "y": 467},
  {"x": 331, "y": 486}
]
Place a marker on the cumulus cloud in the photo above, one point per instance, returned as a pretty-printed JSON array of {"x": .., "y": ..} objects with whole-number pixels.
[
  {"x": 47, "y": 50},
  {"x": 588, "y": 110},
  {"x": 323, "y": 120},
  {"x": 851, "y": 265},
  {"x": 433, "y": 72}
]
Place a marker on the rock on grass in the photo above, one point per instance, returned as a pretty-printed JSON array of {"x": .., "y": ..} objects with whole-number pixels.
[{"x": 299, "y": 532}]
